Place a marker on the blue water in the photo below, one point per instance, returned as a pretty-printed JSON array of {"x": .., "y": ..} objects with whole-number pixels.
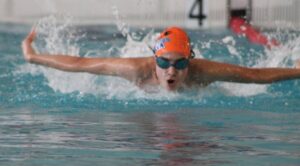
[{"x": 51, "y": 117}]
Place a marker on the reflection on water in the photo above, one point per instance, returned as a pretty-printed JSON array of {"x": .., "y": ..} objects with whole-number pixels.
[{"x": 178, "y": 137}]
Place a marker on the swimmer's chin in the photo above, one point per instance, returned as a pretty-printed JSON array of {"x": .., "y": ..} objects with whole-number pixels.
[{"x": 171, "y": 89}]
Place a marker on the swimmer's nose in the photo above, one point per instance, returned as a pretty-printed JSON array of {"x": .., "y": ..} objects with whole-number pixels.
[{"x": 172, "y": 71}]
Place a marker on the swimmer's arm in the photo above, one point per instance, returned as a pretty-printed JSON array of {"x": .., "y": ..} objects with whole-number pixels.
[
  {"x": 215, "y": 71},
  {"x": 123, "y": 67}
]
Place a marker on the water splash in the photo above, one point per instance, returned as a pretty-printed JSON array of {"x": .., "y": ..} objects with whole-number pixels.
[
  {"x": 133, "y": 48},
  {"x": 55, "y": 37},
  {"x": 231, "y": 43},
  {"x": 283, "y": 56}
]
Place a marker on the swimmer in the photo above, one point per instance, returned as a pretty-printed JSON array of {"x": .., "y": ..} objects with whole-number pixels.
[{"x": 172, "y": 67}]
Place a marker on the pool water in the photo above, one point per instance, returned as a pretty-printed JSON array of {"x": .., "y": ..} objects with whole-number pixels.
[{"x": 50, "y": 117}]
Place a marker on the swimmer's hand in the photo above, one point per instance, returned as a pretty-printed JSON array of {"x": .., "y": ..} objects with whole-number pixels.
[{"x": 27, "y": 48}]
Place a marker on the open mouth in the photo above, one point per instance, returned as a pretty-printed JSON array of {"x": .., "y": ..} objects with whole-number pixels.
[{"x": 170, "y": 81}]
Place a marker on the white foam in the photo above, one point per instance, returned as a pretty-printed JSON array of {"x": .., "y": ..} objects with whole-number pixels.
[
  {"x": 133, "y": 48},
  {"x": 136, "y": 48},
  {"x": 229, "y": 40},
  {"x": 237, "y": 89},
  {"x": 230, "y": 44}
]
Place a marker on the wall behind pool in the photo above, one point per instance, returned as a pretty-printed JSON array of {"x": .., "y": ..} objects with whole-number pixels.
[
  {"x": 133, "y": 12},
  {"x": 153, "y": 13}
]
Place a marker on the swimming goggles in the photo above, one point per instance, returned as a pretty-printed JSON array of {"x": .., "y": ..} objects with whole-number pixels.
[{"x": 178, "y": 64}]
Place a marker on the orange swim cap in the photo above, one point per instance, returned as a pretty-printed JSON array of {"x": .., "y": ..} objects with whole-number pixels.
[{"x": 173, "y": 39}]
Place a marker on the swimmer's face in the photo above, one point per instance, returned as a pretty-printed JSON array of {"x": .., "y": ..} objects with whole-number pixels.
[{"x": 171, "y": 78}]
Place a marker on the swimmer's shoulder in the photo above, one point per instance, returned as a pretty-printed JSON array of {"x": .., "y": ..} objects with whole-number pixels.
[
  {"x": 198, "y": 72},
  {"x": 143, "y": 67},
  {"x": 137, "y": 63}
]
